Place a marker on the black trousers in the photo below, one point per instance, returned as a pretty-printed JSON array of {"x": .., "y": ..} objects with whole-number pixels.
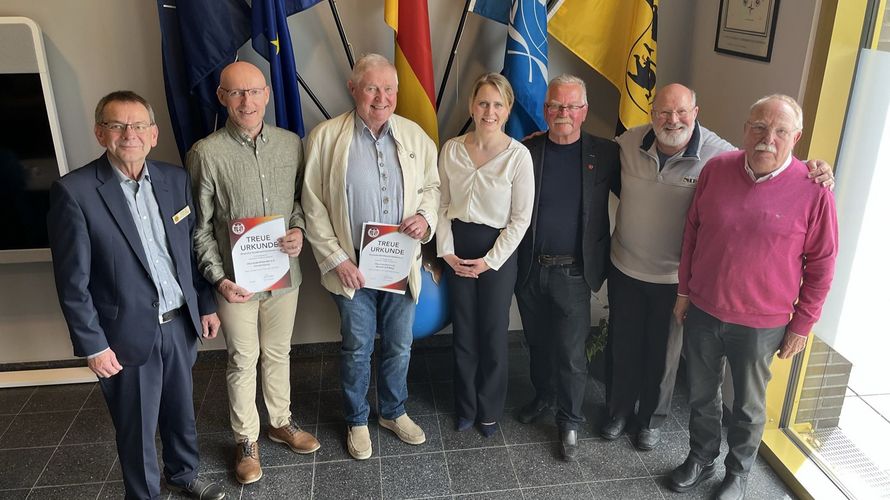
[
  {"x": 156, "y": 395},
  {"x": 480, "y": 317},
  {"x": 645, "y": 344},
  {"x": 555, "y": 308},
  {"x": 710, "y": 343}
]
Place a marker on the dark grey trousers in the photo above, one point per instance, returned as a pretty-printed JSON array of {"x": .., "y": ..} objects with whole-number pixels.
[{"x": 710, "y": 343}]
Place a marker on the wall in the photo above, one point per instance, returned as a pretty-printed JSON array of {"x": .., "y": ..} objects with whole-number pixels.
[{"x": 94, "y": 46}]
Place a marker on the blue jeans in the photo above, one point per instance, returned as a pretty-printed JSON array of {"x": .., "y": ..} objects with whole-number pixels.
[{"x": 359, "y": 321}]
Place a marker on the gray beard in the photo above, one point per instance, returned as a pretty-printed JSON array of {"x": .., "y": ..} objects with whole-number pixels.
[{"x": 674, "y": 139}]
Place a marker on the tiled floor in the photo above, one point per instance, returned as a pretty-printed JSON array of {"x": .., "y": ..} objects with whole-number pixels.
[{"x": 58, "y": 442}]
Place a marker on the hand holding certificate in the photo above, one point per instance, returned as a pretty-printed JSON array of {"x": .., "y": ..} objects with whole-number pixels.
[
  {"x": 386, "y": 257},
  {"x": 259, "y": 263}
]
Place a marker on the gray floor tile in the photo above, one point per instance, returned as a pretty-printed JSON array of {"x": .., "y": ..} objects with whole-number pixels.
[
  {"x": 764, "y": 483},
  {"x": 213, "y": 416},
  {"x": 330, "y": 406},
  {"x": 58, "y": 398},
  {"x": 539, "y": 464},
  {"x": 480, "y": 470},
  {"x": 21, "y": 468},
  {"x": 81, "y": 463},
  {"x": 305, "y": 375},
  {"x": 353, "y": 479},
  {"x": 224, "y": 479},
  {"x": 600, "y": 460},
  {"x": 112, "y": 490},
  {"x": 12, "y": 400},
  {"x": 216, "y": 386},
  {"x": 18, "y": 494},
  {"x": 390, "y": 444},
  {"x": 37, "y": 429},
  {"x": 703, "y": 491},
  {"x": 200, "y": 382},
  {"x": 540, "y": 431},
  {"x": 217, "y": 452},
  {"x": 440, "y": 365},
  {"x": 70, "y": 492},
  {"x": 492, "y": 495},
  {"x": 5, "y": 420},
  {"x": 443, "y": 393},
  {"x": 304, "y": 408},
  {"x": 519, "y": 392},
  {"x": 96, "y": 400},
  {"x": 415, "y": 476},
  {"x": 90, "y": 426},
  {"x": 281, "y": 482},
  {"x": 625, "y": 489},
  {"x": 417, "y": 369},
  {"x": 420, "y": 400},
  {"x": 577, "y": 491},
  {"x": 470, "y": 438}
]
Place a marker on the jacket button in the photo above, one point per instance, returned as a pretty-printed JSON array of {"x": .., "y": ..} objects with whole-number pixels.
[{"x": 156, "y": 304}]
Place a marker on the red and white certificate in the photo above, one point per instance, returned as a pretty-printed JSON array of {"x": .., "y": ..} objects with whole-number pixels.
[
  {"x": 259, "y": 263},
  {"x": 385, "y": 257}
]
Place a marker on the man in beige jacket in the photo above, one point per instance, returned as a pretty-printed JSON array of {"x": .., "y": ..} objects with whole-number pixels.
[{"x": 369, "y": 165}]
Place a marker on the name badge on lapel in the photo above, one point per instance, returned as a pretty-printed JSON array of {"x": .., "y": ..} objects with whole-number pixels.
[{"x": 182, "y": 214}]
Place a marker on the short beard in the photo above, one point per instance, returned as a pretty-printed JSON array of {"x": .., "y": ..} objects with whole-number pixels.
[{"x": 673, "y": 139}]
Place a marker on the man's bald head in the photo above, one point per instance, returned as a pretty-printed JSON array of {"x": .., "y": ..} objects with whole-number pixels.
[{"x": 244, "y": 93}]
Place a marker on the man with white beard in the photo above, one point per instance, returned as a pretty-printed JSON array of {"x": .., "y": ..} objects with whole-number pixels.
[{"x": 660, "y": 165}]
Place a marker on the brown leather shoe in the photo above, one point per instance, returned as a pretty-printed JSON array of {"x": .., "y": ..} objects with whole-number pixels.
[
  {"x": 247, "y": 463},
  {"x": 297, "y": 439}
]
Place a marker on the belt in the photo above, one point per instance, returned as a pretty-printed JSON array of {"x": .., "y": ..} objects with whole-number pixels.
[
  {"x": 170, "y": 315},
  {"x": 556, "y": 260}
]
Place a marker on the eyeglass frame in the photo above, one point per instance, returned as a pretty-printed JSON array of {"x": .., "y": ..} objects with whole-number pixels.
[
  {"x": 762, "y": 129},
  {"x": 240, "y": 93},
  {"x": 557, "y": 108},
  {"x": 121, "y": 128}
]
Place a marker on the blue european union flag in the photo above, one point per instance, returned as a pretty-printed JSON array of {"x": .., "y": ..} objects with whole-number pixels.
[
  {"x": 271, "y": 39},
  {"x": 198, "y": 39},
  {"x": 525, "y": 66}
]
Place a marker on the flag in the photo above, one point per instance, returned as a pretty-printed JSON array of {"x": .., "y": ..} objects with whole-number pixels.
[
  {"x": 414, "y": 62},
  {"x": 198, "y": 39},
  {"x": 271, "y": 39},
  {"x": 617, "y": 38},
  {"x": 525, "y": 66},
  {"x": 496, "y": 10}
]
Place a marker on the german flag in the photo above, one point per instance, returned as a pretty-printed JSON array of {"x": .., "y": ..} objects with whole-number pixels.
[{"x": 414, "y": 62}]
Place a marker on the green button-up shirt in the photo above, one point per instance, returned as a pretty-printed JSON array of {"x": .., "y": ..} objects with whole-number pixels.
[{"x": 233, "y": 177}]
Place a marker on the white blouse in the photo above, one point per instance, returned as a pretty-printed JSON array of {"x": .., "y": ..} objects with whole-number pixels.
[{"x": 499, "y": 194}]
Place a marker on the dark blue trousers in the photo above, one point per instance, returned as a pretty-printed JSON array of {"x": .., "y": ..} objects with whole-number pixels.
[{"x": 156, "y": 395}]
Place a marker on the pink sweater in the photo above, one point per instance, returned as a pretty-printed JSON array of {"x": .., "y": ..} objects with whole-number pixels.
[{"x": 751, "y": 250}]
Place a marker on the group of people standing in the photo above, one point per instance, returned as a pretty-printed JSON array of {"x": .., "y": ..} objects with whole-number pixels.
[{"x": 144, "y": 269}]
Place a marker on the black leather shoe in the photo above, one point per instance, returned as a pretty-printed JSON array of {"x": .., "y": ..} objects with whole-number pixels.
[
  {"x": 732, "y": 488},
  {"x": 201, "y": 489},
  {"x": 613, "y": 428},
  {"x": 689, "y": 474},
  {"x": 648, "y": 438},
  {"x": 568, "y": 445},
  {"x": 532, "y": 411}
]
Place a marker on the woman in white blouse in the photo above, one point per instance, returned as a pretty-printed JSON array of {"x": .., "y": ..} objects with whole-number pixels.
[{"x": 487, "y": 188}]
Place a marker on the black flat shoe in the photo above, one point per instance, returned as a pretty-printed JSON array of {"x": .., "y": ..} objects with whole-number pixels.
[
  {"x": 568, "y": 444},
  {"x": 647, "y": 439},
  {"x": 614, "y": 428},
  {"x": 462, "y": 424},
  {"x": 689, "y": 474},
  {"x": 732, "y": 488},
  {"x": 488, "y": 430},
  {"x": 201, "y": 489},
  {"x": 533, "y": 411}
]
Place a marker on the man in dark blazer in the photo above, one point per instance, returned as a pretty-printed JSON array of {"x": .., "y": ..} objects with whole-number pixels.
[
  {"x": 120, "y": 230},
  {"x": 564, "y": 255}
]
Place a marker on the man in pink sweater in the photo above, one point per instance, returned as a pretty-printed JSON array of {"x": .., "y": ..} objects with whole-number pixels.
[{"x": 758, "y": 258}]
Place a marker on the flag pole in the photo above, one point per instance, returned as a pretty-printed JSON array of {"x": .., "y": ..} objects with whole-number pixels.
[
  {"x": 457, "y": 37},
  {"x": 346, "y": 45},
  {"x": 313, "y": 97}
]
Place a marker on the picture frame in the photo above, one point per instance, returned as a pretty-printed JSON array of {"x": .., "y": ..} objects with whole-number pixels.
[{"x": 747, "y": 28}]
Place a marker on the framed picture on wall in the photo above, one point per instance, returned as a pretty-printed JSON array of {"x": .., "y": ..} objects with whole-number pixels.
[{"x": 746, "y": 28}]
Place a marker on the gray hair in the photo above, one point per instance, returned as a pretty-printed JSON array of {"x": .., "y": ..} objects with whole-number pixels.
[
  {"x": 122, "y": 96},
  {"x": 567, "y": 79},
  {"x": 795, "y": 107},
  {"x": 367, "y": 62}
]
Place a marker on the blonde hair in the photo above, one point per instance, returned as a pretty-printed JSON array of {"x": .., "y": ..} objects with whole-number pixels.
[{"x": 497, "y": 81}]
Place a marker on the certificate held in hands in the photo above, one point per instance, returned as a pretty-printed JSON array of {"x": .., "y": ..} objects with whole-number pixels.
[
  {"x": 259, "y": 263},
  {"x": 386, "y": 257}
]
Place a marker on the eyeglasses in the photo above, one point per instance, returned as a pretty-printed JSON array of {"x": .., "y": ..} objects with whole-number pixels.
[
  {"x": 374, "y": 90},
  {"x": 120, "y": 128},
  {"x": 554, "y": 107},
  {"x": 759, "y": 128},
  {"x": 667, "y": 114},
  {"x": 239, "y": 93}
]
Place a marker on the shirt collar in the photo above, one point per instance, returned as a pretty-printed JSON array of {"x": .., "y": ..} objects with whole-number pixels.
[
  {"x": 121, "y": 177},
  {"x": 243, "y": 138},
  {"x": 361, "y": 127},
  {"x": 774, "y": 173}
]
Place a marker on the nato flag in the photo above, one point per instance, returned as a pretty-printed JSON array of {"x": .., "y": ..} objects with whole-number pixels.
[{"x": 525, "y": 66}]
